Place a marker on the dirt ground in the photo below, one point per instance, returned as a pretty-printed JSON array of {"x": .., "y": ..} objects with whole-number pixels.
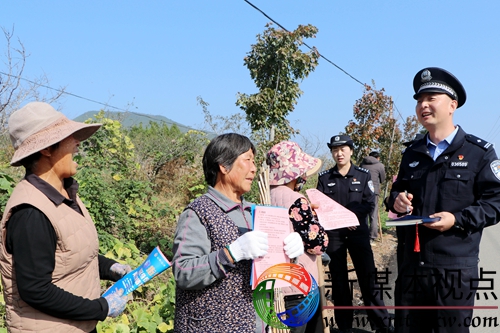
[{"x": 384, "y": 250}]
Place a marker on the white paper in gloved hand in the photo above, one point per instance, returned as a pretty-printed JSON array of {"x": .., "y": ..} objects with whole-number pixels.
[{"x": 293, "y": 245}]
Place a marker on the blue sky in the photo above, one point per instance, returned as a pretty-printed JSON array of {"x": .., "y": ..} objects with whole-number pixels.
[{"x": 160, "y": 55}]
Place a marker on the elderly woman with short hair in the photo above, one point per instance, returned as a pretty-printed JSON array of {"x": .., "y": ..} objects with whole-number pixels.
[{"x": 214, "y": 244}]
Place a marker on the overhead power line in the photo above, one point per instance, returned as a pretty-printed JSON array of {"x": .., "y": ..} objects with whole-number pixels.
[
  {"x": 65, "y": 92},
  {"x": 88, "y": 99}
]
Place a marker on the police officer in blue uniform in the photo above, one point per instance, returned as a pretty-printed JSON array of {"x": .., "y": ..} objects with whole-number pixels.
[
  {"x": 351, "y": 186},
  {"x": 454, "y": 176}
]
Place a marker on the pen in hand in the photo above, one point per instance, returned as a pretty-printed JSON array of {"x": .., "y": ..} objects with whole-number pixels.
[{"x": 407, "y": 206}]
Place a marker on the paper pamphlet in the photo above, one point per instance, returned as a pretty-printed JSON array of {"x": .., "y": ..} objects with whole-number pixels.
[
  {"x": 331, "y": 214},
  {"x": 410, "y": 220},
  {"x": 392, "y": 215},
  {"x": 155, "y": 263},
  {"x": 275, "y": 222}
]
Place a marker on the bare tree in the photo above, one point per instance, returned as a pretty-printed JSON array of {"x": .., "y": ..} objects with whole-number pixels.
[
  {"x": 15, "y": 89},
  {"x": 218, "y": 124}
]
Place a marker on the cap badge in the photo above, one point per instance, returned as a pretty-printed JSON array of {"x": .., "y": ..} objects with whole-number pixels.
[
  {"x": 426, "y": 75},
  {"x": 337, "y": 138}
]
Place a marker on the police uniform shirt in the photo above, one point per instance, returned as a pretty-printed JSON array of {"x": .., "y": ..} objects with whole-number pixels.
[
  {"x": 436, "y": 150},
  {"x": 354, "y": 191},
  {"x": 465, "y": 181}
]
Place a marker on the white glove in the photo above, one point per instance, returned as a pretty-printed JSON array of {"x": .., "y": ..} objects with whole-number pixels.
[
  {"x": 293, "y": 245},
  {"x": 250, "y": 245}
]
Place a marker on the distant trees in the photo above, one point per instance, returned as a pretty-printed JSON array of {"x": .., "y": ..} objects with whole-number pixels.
[
  {"x": 375, "y": 128},
  {"x": 158, "y": 144},
  {"x": 218, "y": 124},
  {"x": 14, "y": 90}
]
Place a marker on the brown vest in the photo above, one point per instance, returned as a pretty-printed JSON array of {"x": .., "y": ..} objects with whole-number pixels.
[{"x": 76, "y": 269}]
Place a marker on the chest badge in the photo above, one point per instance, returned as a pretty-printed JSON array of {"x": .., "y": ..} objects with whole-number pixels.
[
  {"x": 460, "y": 157},
  {"x": 330, "y": 184},
  {"x": 459, "y": 164},
  {"x": 413, "y": 164}
]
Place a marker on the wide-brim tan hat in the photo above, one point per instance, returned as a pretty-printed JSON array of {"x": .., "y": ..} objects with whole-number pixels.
[{"x": 37, "y": 126}]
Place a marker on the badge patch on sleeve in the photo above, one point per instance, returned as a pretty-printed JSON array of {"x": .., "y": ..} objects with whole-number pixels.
[
  {"x": 370, "y": 183},
  {"x": 495, "y": 167}
]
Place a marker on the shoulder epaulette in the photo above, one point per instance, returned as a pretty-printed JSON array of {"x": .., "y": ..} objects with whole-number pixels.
[
  {"x": 477, "y": 141},
  {"x": 324, "y": 172},
  {"x": 361, "y": 169}
]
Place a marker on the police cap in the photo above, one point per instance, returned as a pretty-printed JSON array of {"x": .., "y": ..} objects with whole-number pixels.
[
  {"x": 340, "y": 140},
  {"x": 438, "y": 80}
]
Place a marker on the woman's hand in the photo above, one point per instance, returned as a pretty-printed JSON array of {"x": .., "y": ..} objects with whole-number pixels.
[
  {"x": 119, "y": 270},
  {"x": 116, "y": 303}
]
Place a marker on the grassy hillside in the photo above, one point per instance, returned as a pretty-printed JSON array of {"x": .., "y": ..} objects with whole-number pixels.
[{"x": 129, "y": 119}]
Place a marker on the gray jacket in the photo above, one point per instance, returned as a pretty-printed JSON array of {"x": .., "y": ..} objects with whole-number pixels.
[
  {"x": 377, "y": 171},
  {"x": 195, "y": 266}
]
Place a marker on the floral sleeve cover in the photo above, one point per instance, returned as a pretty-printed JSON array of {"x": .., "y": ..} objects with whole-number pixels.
[{"x": 305, "y": 222}]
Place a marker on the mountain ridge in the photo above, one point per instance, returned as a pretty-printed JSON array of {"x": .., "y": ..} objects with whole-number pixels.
[{"x": 129, "y": 119}]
